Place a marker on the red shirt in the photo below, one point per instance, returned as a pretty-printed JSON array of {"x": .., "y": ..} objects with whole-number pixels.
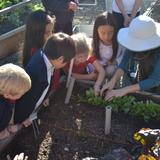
[{"x": 81, "y": 67}]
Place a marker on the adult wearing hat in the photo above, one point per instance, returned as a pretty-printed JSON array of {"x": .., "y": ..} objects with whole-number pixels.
[{"x": 142, "y": 40}]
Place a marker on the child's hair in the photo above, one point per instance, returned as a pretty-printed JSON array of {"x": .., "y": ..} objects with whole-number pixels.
[
  {"x": 81, "y": 43},
  {"x": 60, "y": 44},
  {"x": 105, "y": 18},
  {"x": 35, "y": 30},
  {"x": 13, "y": 80}
]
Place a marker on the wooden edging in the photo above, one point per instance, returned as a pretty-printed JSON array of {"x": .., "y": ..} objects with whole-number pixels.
[
  {"x": 12, "y": 32},
  {"x": 13, "y": 7}
]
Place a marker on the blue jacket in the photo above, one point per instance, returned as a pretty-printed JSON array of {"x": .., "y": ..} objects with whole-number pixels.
[
  {"x": 37, "y": 71},
  {"x": 153, "y": 79},
  {"x": 5, "y": 113},
  {"x": 59, "y": 8}
]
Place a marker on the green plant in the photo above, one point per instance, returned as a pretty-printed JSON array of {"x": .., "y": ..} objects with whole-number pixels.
[
  {"x": 147, "y": 110},
  {"x": 7, "y": 3},
  {"x": 17, "y": 17}
]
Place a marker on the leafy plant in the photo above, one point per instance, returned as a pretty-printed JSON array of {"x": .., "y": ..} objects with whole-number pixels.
[
  {"x": 17, "y": 17},
  {"x": 147, "y": 110}
]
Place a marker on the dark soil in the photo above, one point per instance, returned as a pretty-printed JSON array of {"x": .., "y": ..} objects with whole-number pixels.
[{"x": 75, "y": 131}]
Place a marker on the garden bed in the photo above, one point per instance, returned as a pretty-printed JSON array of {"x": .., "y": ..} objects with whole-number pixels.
[{"x": 76, "y": 131}]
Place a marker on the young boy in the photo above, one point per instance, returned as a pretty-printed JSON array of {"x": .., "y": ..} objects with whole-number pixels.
[
  {"x": 57, "y": 51},
  {"x": 14, "y": 82}
]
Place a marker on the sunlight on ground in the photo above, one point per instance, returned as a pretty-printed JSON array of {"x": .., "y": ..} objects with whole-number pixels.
[
  {"x": 45, "y": 147},
  {"x": 78, "y": 122}
]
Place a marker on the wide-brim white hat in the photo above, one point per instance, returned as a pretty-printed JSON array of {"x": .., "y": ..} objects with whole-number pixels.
[{"x": 142, "y": 34}]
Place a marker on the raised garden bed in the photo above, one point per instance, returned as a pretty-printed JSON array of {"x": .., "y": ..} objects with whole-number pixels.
[{"x": 76, "y": 131}]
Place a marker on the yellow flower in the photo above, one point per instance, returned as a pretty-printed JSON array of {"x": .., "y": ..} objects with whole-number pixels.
[{"x": 146, "y": 157}]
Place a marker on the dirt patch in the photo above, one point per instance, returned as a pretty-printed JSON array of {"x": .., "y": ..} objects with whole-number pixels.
[{"x": 75, "y": 131}]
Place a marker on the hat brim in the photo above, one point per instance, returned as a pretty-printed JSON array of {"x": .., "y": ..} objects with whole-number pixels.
[{"x": 138, "y": 45}]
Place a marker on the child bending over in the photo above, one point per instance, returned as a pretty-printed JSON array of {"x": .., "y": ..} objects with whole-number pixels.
[
  {"x": 14, "y": 82},
  {"x": 84, "y": 59},
  {"x": 58, "y": 50}
]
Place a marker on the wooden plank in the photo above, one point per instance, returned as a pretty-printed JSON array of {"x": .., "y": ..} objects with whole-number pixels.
[
  {"x": 10, "y": 42},
  {"x": 13, "y": 7}
]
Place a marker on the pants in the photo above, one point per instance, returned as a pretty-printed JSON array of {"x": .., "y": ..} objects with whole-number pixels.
[
  {"x": 120, "y": 19},
  {"x": 66, "y": 28}
]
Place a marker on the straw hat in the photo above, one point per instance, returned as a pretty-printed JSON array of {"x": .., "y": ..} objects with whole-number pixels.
[{"x": 143, "y": 34}]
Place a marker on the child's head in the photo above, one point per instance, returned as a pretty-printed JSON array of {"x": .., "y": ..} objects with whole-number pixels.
[
  {"x": 82, "y": 44},
  {"x": 14, "y": 81},
  {"x": 59, "y": 49},
  {"x": 104, "y": 31},
  {"x": 39, "y": 27}
]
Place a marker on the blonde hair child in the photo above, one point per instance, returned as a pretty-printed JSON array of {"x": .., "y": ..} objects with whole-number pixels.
[
  {"x": 14, "y": 82},
  {"x": 83, "y": 59}
]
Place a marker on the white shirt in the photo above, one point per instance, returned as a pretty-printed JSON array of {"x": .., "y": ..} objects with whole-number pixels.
[
  {"x": 106, "y": 53},
  {"x": 128, "y": 6},
  {"x": 50, "y": 70}
]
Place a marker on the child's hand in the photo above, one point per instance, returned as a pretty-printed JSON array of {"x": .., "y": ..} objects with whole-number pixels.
[
  {"x": 96, "y": 90},
  {"x": 93, "y": 76},
  {"x": 46, "y": 102},
  {"x": 27, "y": 122},
  {"x": 107, "y": 86}
]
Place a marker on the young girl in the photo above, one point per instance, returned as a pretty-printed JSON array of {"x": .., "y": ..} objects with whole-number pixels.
[
  {"x": 83, "y": 58},
  {"x": 105, "y": 45},
  {"x": 39, "y": 27}
]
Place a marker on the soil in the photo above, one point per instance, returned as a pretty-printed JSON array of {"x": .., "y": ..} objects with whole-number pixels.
[{"x": 76, "y": 131}]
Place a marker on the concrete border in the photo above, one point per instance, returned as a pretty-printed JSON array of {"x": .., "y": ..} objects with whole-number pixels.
[
  {"x": 11, "y": 41},
  {"x": 149, "y": 9},
  {"x": 88, "y": 4}
]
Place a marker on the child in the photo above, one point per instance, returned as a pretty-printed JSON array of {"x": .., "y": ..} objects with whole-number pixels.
[
  {"x": 58, "y": 50},
  {"x": 105, "y": 45},
  {"x": 14, "y": 82},
  {"x": 83, "y": 58},
  {"x": 39, "y": 27}
]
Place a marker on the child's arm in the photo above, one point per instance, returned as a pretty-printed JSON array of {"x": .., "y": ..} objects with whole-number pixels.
[
  {"x": 101, "y": 75},
  {"x": 91, "y": 76}
]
